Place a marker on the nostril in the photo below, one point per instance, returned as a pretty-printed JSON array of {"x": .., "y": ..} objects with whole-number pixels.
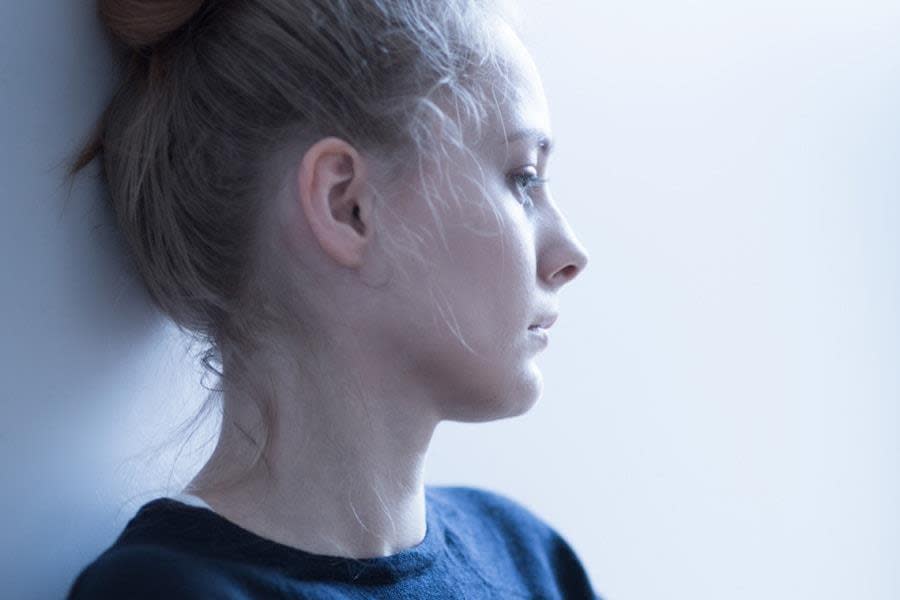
[{"x": 569, "y": 272}]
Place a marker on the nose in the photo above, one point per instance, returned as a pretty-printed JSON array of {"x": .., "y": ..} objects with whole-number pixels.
[
  {"x": 578, "y": 260},
  {"x": 563, "y": 256}
]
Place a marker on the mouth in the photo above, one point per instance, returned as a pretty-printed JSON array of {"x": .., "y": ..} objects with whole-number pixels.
[
  {"x": 544, "y": 323},
  {"x": 539, "y": 334}
]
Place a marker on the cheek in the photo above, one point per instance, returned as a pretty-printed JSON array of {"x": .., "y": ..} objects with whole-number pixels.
[
  {"x": 478, "y": 272},
  {"x": 465, "y": 330},
  {"x": 492, "y": 272}
]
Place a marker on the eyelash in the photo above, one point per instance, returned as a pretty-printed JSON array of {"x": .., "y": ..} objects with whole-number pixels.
[{"x": 531, "y": 182}]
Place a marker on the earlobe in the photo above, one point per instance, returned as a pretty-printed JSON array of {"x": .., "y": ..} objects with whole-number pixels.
[{"x": 332, "y": 188}]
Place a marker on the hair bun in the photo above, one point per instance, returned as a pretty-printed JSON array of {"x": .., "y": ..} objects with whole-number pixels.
[{"x": 140, "y": 23}]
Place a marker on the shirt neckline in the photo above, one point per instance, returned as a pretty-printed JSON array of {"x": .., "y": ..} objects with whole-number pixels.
[{"x": 201, "y": 530}]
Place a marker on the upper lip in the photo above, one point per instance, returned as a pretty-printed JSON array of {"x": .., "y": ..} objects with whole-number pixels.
[{"x": 545, "y": 322}]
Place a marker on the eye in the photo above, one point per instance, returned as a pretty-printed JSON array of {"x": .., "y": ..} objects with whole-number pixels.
[{"x": 526, "y": 181}]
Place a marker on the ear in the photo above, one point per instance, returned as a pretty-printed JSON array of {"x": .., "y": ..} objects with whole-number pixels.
[{"x": 335, "y": 199}]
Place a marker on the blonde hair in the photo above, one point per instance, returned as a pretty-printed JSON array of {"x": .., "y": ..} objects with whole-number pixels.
[{"x": 212, "y": 90}]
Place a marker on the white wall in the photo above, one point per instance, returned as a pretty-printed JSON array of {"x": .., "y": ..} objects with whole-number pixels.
[
  {"x": 90, "y": 377},
  {"x": 720, "y": 415},
  {"x": 720, "y": 409}
]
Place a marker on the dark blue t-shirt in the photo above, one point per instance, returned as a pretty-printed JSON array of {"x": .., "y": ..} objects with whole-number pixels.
[{"x": 478, "y": 544}]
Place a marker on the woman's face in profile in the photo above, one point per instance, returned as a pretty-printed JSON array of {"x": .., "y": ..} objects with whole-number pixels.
[{"x": 509, "y": 252}]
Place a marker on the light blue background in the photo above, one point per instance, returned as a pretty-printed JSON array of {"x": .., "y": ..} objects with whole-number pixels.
[{"x": 720, "y": 414}]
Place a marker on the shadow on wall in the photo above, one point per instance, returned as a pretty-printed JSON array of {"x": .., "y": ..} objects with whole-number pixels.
[{"x": 75, "y": 322}]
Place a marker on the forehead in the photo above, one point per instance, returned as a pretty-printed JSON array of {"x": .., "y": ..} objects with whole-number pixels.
[{"x": 518, "y": 110}]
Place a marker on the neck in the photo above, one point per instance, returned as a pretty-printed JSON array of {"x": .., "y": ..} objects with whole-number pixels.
[{"x": 342, "y": 475}]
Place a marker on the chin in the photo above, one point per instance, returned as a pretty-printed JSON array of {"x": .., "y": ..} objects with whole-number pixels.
[
  {"x": 499, "y": 384},
  {"x": 526, "y": 404},
  {"x": 518, "y": 400}
]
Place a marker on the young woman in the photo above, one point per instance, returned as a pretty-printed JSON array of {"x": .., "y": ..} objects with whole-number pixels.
[{"x": 346, "y": 200}]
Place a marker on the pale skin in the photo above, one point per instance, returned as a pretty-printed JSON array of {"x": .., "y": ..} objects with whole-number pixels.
[{"x": 350, "y": 443}]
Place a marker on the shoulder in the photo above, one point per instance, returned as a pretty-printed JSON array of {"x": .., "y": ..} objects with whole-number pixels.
[
  {"x": 528, "y": 544},
  {"x": 500, "y": 509},
  {"x": 146, "y": 571}
]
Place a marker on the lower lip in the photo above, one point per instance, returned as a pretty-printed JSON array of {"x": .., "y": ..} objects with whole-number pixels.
[{"x": 540, "y": 334}]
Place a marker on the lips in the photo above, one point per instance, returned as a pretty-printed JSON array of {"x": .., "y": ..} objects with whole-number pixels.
[{"x": 544, "y": 322}]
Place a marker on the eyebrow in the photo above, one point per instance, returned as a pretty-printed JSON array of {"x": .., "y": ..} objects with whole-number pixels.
[{"x": 541, "y": 138}]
